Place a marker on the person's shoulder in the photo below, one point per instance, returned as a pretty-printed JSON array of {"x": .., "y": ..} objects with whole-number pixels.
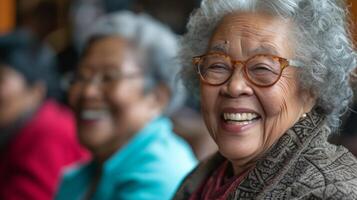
[
  {"x": 322, "y": 173},
  {"x": 158, "y": 167},
  {"x": 346, "y": 190},
  {"x": 166, "y": 152},
  {"x": 150, "y": 175},
  {"x": 198, "y": 175},
  {"x": 162, "y": 156},
  {"x": 53, "y": 120},
  {"x": 335, "y": 163},
  {"x": 74, "y": 181},
  {"x": 52, "y": 111},
  {"x": 77, "y": 168},
  {"x": 76, "y": 173},
  {"x": 164, "y": 149}
]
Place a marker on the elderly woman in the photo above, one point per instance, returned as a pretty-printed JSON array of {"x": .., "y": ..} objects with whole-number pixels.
[
  {"x": 122, "y": 91},
  {"x": 272, "y": 77}
]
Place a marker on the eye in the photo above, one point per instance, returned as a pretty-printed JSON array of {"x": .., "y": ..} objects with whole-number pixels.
[
  {"x": 218, "y": 68},
  {"x": 109, "y": 77},
  {"x": 262, "y": 68}
]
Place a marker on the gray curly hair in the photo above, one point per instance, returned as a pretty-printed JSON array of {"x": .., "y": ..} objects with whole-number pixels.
[
  {"x": 157, "y": 46},
  {"x": 324, "y": 46}
]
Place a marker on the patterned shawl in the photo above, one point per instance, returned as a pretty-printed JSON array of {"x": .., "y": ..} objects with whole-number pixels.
[{"x": 301, "y": 165}]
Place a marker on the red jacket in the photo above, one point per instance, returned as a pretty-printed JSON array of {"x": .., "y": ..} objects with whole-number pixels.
[{"x": 30, "y": 167}]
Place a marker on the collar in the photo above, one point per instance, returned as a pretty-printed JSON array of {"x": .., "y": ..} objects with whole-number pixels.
[
  {"x": 269, "y": 167},
  {"x": 158, "y": 127},
  {"x": 274, "y": 164}
]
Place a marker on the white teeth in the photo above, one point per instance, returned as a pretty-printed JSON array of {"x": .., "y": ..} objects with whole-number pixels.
[
  {"x": 240, "y": 122},
  {"x": 239, "y": 116},
  {"x": 93, "y": 114}
]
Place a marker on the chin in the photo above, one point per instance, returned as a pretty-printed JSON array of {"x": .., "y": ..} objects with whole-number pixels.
[
  {"x": 238, "y": 153},
  {"x": 238, "y": 148},
  {"x": 88, "y": 142}
]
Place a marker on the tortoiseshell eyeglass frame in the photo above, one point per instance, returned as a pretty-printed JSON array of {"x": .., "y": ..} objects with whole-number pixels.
[{"x": 197, "y": 59}]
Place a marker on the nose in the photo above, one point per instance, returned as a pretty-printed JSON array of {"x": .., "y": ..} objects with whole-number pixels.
[
  {"x": 91, "y": 90},
  {"x": 237, "y": 85},
  {"x": 85, "y": 92}
]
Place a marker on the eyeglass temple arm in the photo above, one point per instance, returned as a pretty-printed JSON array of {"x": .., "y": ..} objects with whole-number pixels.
[{"x": 295, "y": 63}]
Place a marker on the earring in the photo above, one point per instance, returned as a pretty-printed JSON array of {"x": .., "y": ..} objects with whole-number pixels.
[{"x": 304, "y": 115}]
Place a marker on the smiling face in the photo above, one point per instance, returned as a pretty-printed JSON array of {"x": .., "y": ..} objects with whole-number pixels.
[
  {"x": 108, "y": 96},
  {"x": 245, "y": 119},
  {"x": 14, "y": 96},
  {"x": 17, "y": 96}
]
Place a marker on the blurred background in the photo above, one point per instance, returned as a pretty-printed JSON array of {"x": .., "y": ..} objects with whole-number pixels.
[
  {"x": 55, "y": 32},
  {"x": 63, "y": 24}
]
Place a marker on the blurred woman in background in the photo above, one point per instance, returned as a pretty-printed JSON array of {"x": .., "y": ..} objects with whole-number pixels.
[
  {"x": 37, "y": 134},
  {"x": 122, "y": 92}
]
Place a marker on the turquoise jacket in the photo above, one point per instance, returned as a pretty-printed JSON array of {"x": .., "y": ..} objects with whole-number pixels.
[{"x": 150, "y": 166}]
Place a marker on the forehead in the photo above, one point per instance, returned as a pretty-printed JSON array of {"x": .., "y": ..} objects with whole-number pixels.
[
  {"x": 7, "y": 71},
  {"x": 10, "y": 78},
  {"x": 107, "y": 44},
  {"x": 109, "y": 53},
  {"x": 247, "y": 34}
]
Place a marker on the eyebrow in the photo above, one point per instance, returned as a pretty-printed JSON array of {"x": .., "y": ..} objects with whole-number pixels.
[
  {"x": 220, "y": 47},
  {"x": 264, "y": 49}
]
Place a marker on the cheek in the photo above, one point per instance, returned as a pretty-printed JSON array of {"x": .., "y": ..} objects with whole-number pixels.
[
  {"x": 123, "y": 98},
  {"x": 282, "y": 98},
  {"x": 12, "y": 96},
  {"x": 12, "y": 88},
  {"x": 206, "y": 97},
  {"x": 117, "y": 99},
  {"x": 209, "y": 97},
  {"x": 290, "y": 100},
  {"x": 5, "y": 93},
  {"x": 282, "y": 105},
  {"x": 74, "y": 93},
  {"x": 274, "y": 101},
  {"x": 130, "y": 108},
  {"x": 13, "y": 99}
]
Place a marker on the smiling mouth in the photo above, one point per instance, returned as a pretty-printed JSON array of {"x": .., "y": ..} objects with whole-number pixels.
[
  {"x": 240, "y": 118},
  {"x": 91, "y": 115}
]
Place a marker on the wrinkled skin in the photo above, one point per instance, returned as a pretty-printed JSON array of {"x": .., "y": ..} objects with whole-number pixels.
[{"x": 278, "y": 107}]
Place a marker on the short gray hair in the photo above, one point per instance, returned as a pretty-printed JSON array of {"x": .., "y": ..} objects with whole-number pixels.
[
  {"x": 324, "y": 45},
  {"x": 156, "y": 41}
]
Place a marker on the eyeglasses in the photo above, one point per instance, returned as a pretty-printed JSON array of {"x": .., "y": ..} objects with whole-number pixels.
[
  {"x": 261, "y": 70},
  {"x": 102, "y": 79}
]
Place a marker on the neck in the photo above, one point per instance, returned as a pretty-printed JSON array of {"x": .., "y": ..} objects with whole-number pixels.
[
  {"x": 241, "y": 167},
  {"x": 106, "y": 151},
  {"x": 101, "y": 156}
]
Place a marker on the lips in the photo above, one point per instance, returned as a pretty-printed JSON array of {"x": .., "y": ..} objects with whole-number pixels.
[
  {"x": 235, "y": 120},
  {"x": 239, "y": 117},
  {"x": 93, "y": 114}
]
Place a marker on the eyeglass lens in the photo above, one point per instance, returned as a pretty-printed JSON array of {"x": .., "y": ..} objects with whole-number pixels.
[{"x": 261, "y": 69}]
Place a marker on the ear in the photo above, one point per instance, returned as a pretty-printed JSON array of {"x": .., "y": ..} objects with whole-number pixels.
[{"x": 309, "y": 101}]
